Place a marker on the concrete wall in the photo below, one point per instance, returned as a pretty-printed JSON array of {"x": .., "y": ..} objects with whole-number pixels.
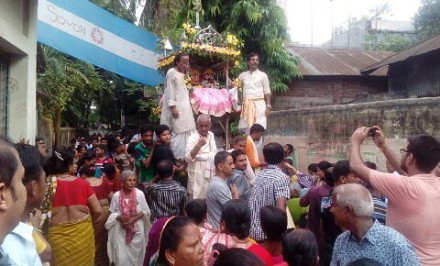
[
  {"x": 318, "y": 91},
  {"x": 324, "y": 132},
  {"x": 18, "y": 41}
]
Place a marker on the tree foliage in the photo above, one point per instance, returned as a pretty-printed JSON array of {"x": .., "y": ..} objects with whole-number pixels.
[
  {"x": 427, "y": 19},
  {"x": 391, "y": 42},
  {"x": 115, "y": 7},
  {"x": 63, "y": 77},
  {"x": 262, "y": 26}
]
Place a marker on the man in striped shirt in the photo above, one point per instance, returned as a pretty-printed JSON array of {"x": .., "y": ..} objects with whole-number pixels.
[
  {"x": 271, "y": 187},
  {"x": 165, "y": 197}
]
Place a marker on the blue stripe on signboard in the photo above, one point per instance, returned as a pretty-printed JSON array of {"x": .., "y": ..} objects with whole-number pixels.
[
  {"x": 96, "y": 56},
  {"x": 108, "y": 21},
  {"x": 88, "y": 32}
]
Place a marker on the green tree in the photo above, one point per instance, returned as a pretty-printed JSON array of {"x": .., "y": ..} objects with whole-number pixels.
[
  {"x": 61, "y": 78},
  {"x": 115, "y": 7},
  {"x": 391, "y": 42},
  {"x": 262, "y": 26},
  {"x": 427, "y": 19},
  {"x": 158, "y": 16}
]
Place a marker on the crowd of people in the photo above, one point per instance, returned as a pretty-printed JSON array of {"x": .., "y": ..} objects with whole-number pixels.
[
  {"x": 120, "y": 204},
  {"x": 114, "y": 200}
]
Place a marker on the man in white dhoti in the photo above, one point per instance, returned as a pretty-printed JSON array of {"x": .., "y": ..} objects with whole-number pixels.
[
  {"x": 128, "y": 224},
  {"x": 176, "y": 107},
  {"x": 200, "y": 152},
  {"x": 256, "y": 95}
]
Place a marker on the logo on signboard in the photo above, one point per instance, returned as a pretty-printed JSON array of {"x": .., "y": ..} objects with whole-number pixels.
[{"x": 97, "y": 35}]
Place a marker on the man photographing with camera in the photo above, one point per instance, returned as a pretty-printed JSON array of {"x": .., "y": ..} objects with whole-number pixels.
[{"x": 413, "y": 199}]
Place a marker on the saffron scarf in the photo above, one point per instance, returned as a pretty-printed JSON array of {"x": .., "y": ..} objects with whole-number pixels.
[{"x": 127, "y": 203}]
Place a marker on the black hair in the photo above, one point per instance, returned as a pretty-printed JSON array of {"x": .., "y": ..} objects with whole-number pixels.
[
  {"x": 249, "y": 56},
  {"x": 221, "y": 157},
  {"x": 237, "y": 153},
  {"x": 160, "y": 129},
  {"x": 109, "y": 170},
  {"x": 237, "y": 139},
  {"x": 323, "y": 165},
  {"x": 290, "y": 147},
  {"x": 88, "y": 171},
  {"x": 178, "y": 57},
  {"x": 112, "y": 143},
  {"x": 59, "y": 162},
  {"x": 146, "y": 128},
  {"x": 426, "y": 151},
  {"x": 365, "y": 262},
  {"x": 131, "y": 147},
  {"x": 256, "y": 128},
  {"x": 237, "y": 218},
  {"x": 273, "y": 153},
  {"x": 86, "y": 157},
  {"x": 73, "y": 141},
  {"x": 164, "y": 169},
  {"x": 117, "y": 144},
  {"x": 341, "y": 168},
  {"x": 172, "y": 236},
  {"x": 31, "y": 160},
  {"x": 37, "y": 139},
  {"x": 300, "y": 248},
  {"x": 328, "y": 177},
  {"x": 273, "y": 222},
  {"x": 371, "y": 165},
  {"x": 237, "y": 257},
  {"x": 8, "y": 163},
  {"x": 313, "y": 167},
  {"x": 80, "y": 147},
  {"x": 71, "y": 149},
  {"x": 197, "y": 209}
]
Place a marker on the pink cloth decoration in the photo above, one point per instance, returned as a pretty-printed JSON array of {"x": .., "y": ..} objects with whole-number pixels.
[{"x": 216, "y": 102}]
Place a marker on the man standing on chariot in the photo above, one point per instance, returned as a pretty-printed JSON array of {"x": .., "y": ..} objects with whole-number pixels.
[{"x": 256, "y": 95}]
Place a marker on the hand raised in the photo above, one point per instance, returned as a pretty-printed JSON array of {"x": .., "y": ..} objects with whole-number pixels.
[
  {"x": 234, "y": 191},
  {"x": 379, "y": 137},
  {"x": 202, "y": 141},
  {"x": 359, "y": 135}
]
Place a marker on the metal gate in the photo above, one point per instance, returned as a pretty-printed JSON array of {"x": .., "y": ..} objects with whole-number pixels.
[{"x": 4, "y": 78}]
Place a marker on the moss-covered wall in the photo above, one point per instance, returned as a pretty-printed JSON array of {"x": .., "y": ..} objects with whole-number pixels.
[{"x": 324, "y": 132}]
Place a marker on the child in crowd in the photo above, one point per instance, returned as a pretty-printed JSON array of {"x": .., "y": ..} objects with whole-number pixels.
[
  {"x": 122, "y": 159},
  {"x": 101, "y": 160}
]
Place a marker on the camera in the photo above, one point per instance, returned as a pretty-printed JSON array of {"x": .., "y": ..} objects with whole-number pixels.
[{"x": 372, "y": 132}]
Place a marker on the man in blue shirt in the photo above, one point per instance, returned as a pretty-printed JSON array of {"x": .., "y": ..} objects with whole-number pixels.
[{"x": 352, "y": 208}]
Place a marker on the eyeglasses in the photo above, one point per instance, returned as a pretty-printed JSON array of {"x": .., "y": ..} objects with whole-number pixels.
[{"x": 403, "y": 151}]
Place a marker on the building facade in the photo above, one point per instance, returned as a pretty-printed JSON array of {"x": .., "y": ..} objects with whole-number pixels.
[{"x": 18, "y": 78}]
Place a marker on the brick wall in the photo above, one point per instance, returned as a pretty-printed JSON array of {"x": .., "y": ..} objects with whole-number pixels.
[
  {"x": 320, "y": 133},
  {"x": 318, "y": 91}
]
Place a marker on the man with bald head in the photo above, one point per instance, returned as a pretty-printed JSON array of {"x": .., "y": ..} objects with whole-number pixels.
[
  {"x": 352, "y": 207},
  {"x": 200, "y": 152}
]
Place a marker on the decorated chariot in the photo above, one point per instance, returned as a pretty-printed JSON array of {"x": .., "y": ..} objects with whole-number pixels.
[{"x": 212, "y": 57}]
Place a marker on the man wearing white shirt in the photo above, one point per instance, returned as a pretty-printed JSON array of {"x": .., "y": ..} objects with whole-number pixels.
[
  {"x": 256, "y": 95},
  {"x": 200, "y": 151}
]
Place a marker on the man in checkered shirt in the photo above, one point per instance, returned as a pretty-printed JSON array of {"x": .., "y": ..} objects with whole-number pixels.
[{"x": 271, "y": 187}]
